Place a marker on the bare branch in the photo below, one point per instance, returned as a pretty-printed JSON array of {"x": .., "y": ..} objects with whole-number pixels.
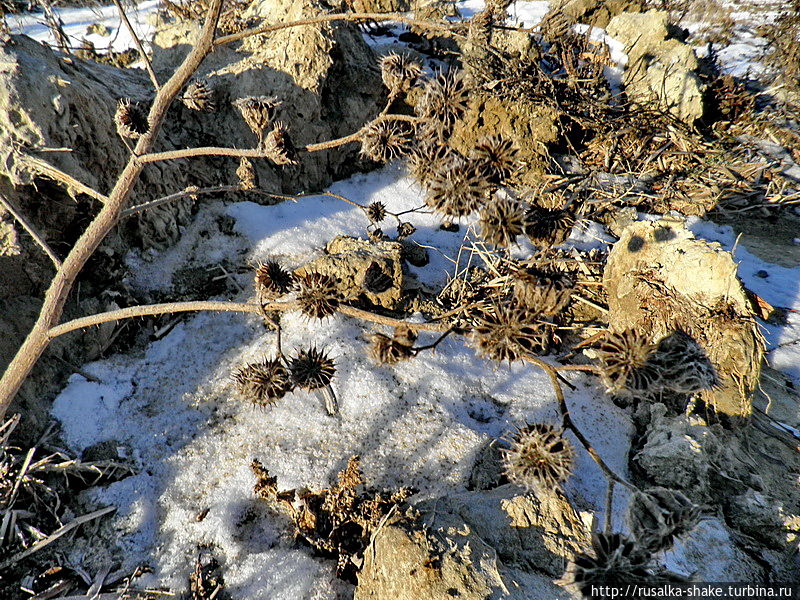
[
  {"x": 138, "y": 43},
  {"x": 32, "y": 231},
  {"x": 445, "y": 29}
]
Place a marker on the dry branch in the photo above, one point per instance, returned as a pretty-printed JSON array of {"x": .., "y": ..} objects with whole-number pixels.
[{"x": 32, "y": 231}]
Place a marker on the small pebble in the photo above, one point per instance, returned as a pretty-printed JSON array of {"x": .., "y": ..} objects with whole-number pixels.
[{"x": 762, "y": 273}]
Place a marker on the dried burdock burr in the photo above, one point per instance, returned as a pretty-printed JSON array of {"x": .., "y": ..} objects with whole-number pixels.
[
  {"x": 505, "y": 333},
  {"x": 263, "y": 382},
  {"x": 312, "y": 369},
  {"x": 258, "y": 112},
  {"x": 538, "y": 455},
  {"x": 498, "y": 156},
  {"x": 444, "y": 98},
  {"x": 376, "y": 212},
  {"x": 197, "y": 96},
  {"x": 246, "y": 174},
  {"x": 657, "y": 515},
  {"x": 278, "y": 146},
  {"x": 543, "y": 291},
  {"x": 318, "y": 296},
  {"x": 272, "y": 281},
  {"x": 405, "y": 230},
  {"x": 399, "y": 72},
  {"x": 624, "y": 363},
  {"x": 457, "y": 189},
  {"x": 130, "y": 120},
  {"x": 385, "y": 350},
  {"x": 384, "y": 141},
  {"x": 614, "y": 559},
  {"x": 548, "y": 227},
  {"x": 427, "y": 160},
  {"x": 501, "y": 221}
]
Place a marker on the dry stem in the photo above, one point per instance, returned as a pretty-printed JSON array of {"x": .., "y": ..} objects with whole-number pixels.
[
  {"x": 28, "y": 226},
  {"x": 138, "y": 43}
]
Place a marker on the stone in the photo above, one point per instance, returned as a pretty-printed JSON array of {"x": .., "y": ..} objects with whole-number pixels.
[
  {"x": 660, "y": 280},
  {"x": 592, "y": 12},
  {"x": 660, "y": 69}
]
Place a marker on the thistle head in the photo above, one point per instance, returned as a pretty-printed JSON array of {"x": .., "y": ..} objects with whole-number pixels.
[
  {"x": 272, "y": 281},
  {"x": 405, "y": 230},
  {"x": 130, "y": 120},
  {"x": 319, "y": 295},
  {"x": 246, "y": 174},
  {"x": 399, "y": 72},
  {"x": 385, "y": 140},
  {"x": 498, "y": 156},
  {"x": 198, "y": 96},
  {"x": 385, "y": 350},
  {"x": 545, "y": 291},
  {"x": 444, "y": 98},
  {"x": 263, "y": 382},
  {"x": 657, "y": 515},
  {"x": 614, "y": 559},
  {"x": 506, "y": 333},
  {"x": 376, "y": 212},
  {"x": 312, "y": 369},
  {"x": 539, "y": 455},
  {"x": 548, "y": 227},
  {"x": 625, "y": 363},
  {"x": 258, "y": 112},
  {"x": 457, "y": 189},
  {"x": 501, "y": 221},
  {"x": 278, "y": 146}
]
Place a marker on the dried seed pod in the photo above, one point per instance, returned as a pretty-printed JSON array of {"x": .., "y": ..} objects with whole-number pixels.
[
  {"x": 427, "y": 160},
  {"x": 376, "y": 212},
  {"x": 546, "y": 292},
  {"x": 197, "y": 96},
  {"x": 457, "y": 189},
  {"x": 246, "y": 174},
  {"x": 385, "y": 140},
  {"x": 130, "y": 120},
  {"x": 377, "y": 235},
  {"x": 506, "y": 333},
  {"x": 263, "y": 382},
  {"x": 385, "y": 350},
  {"x": 312, "y": 369},
  {"x": 501, "y": 221},
  {"x": 405, "y": 230},
  {"x": 258, "y": 112},
  {"x": 272, "y": 281},
  {"x": 319, "y": 295},
  {"x": 615, "y": 559},
  {"x": 624, "y": 363},
  {"x": 278, "y": 146},
  {"x": 685, "y": 366},
  {"x": 539, "y": 455},
  {"x": 399, "y": 72},
  {"x": 498, "y": 156},
  {"x": 548, "y": 227},
  {"x": 657, "y": 515},
  {"x": 444, "y": 98}
]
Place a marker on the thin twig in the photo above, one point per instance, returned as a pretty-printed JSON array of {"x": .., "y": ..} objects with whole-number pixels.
[
  {"x": 138, "y": 43},
  {"x": 32, "y": 231}
]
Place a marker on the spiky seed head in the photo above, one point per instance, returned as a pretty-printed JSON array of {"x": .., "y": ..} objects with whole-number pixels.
[
  {"x": 263, "y": 382},
  {"x": 384, "y": 141},
  {"x": 501, "y": 221},
  {"x": 685, "y": 366},
  {"x": 444, "y": 98},
  {"x": 258, "y": 112},
  {"x": 498, "y": 156},
  {"x": 278, "y": 146},
  {"x": 547, "y": 292},
  {"x": 539, "y": 455},
  {"x": 319, "y": 295},
  {"x": 624, "y": 363},
  {"x": 385, "y": 350},
  {"x": 246, "y": 174},
  {"x": 399, "y": 72},
  {"x": 312, "y": 369},
  {"x": 405, "y": 230},
  {"x": 272, "y": 281},
  {"x": 657, "y": 515},
  {"x": 197, "y": 96},
  {"x": 130, "y": 120},
  {"x": 457, "y": 189},
  {"x": 427, "y": 160},
  {"x": 614, "y": 559},
  {"x": 548, "y": 227},
  {"x": 376, "y": 212},
  {"x": 505, "y": 333}
]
